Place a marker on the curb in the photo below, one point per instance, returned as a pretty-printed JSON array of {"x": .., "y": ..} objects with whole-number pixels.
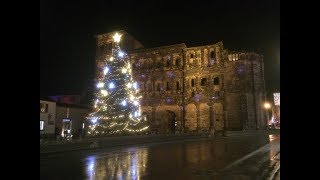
[{"x": 107, "y": 143}]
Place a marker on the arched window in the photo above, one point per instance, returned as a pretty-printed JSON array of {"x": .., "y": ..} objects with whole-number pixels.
[
  {"x": 178, "y": 62},
  {"x": 203, "y": 81},
  {"x": 149, "y": 87},
  {"x": 158, "y": 87},
  {"x": 168, "y": 62},
  {"x": 192, "y": 82},
  {"x": 212, "y": 55},
  {"x": 168, "y": 86},
  {"x": 216, "y": 81}
]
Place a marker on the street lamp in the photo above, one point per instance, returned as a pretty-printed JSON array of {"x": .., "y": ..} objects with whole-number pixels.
[{"x": 267, "y": 106}]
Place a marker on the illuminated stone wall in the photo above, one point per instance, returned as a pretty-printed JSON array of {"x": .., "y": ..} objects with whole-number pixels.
[{"x": 217, "y": 87}]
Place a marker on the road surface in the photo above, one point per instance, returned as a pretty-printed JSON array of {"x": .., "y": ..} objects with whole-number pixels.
[{"x": 245, "y": 157}]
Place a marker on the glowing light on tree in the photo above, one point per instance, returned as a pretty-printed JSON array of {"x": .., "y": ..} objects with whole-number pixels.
[{"x": 116, "y": 104}]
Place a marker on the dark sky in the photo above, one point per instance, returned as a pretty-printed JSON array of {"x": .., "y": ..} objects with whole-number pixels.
[{"x": 67, "y": 29}]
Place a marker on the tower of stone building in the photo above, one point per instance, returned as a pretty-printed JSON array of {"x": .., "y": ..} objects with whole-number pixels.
[{"x": 246, "y": 90}]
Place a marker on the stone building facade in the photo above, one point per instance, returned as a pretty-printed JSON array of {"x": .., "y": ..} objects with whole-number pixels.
[{"x": 195, "y": 88}]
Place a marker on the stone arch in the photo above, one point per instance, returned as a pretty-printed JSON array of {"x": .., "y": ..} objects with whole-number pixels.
[
  {"x": 171, "y": 121},
  {"x": 167, "y": 119}
]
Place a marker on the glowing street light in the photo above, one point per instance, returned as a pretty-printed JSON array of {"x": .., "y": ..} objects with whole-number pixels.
[{"x": 267, "y": 105}]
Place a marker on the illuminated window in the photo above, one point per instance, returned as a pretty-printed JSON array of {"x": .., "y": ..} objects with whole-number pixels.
[
  {"x": 43, "y": 108},
  {"x": 41, "y": 125}
]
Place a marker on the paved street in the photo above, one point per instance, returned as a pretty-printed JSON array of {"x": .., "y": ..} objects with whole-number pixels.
[{"x": 244, "y": 157}]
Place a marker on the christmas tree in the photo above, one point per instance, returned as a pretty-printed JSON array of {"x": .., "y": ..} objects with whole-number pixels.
[{"x": 116, "y": 107}]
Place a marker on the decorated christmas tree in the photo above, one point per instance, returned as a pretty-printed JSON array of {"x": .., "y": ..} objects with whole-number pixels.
[{"x": 116, "y": 104}]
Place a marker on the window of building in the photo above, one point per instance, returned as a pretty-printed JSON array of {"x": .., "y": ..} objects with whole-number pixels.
[
  {"x": 177, "y": 84},
  {"x": 212, "y": 55},
  {"x": 177, "y": 62},
  {"x": 217, "y": 93},
  {"x": 192, "y": 82},
  {"x": 168, "y": 86},
  {"x": 149, "y": 87},
  {"x": 159, "y": 87},
  {"x": 43, "y": 108},
  {"x": 216, "y": 81},
  {"x": 168, "y": 62},
  {"x": 191, "y": 55},
  {"x": 193, "y": 94},
  {"x": 160, "y": 65},
  {"x": 41, "y": 125},
  {"x": 203, "y": 81}
]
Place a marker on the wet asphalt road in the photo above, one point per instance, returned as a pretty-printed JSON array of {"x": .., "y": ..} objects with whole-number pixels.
[{"x": 247, "y": 157}]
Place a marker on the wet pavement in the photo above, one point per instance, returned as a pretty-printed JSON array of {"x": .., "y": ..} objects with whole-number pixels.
[{"x": 245, "y": 157}]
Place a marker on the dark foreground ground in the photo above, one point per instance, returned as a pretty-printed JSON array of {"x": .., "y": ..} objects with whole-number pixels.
[{"x": 239, "y": 157}]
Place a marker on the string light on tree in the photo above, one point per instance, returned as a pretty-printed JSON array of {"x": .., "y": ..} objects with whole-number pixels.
[
  {"x": 100, "y": 85},
  {"x": 111, "y": 85},
  {"x": 106, "y": 70},
  {"x": 116, "y": 37},
  {"x": 117, "y": 107}
]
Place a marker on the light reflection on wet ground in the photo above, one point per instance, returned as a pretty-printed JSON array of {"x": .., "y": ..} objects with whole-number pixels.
[{"x": 200, "y": 159}]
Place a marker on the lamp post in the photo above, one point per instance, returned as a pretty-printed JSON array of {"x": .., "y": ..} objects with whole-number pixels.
[{"x": 267, "y": 106}]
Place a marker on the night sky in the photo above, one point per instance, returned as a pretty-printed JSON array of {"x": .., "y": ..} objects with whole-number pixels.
[{"x": 67, "y": 29}]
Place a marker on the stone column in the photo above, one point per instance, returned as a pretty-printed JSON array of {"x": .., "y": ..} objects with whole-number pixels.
[
  {"x": 211, "y": 118},
  {"x": 198, "y": 116},
  {"x": 153, "y": 113}
]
